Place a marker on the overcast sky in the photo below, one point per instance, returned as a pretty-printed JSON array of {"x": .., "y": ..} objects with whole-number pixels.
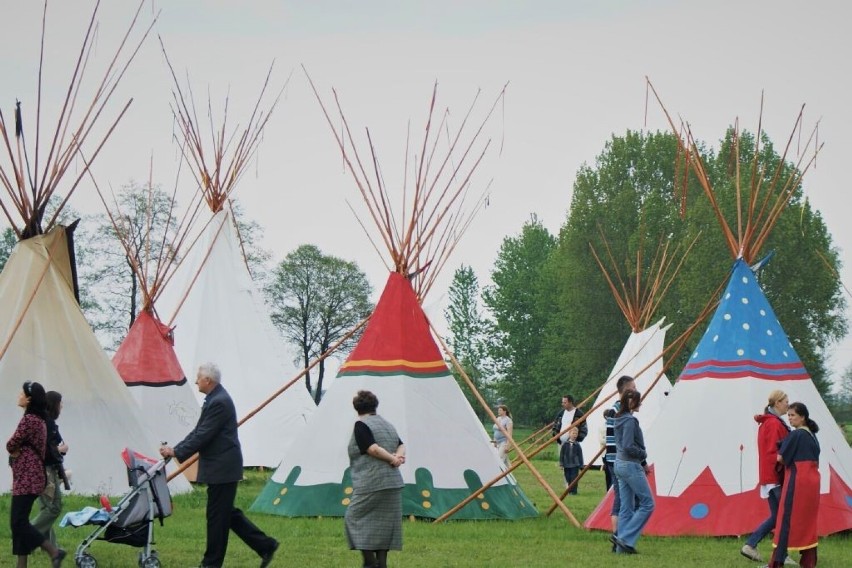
[{"x": 575, "y": 71}]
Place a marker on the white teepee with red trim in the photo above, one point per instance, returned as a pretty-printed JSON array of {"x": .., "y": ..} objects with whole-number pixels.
[
  {"x": 449, "y": 454},
  {"x": 703, "y": 446}
]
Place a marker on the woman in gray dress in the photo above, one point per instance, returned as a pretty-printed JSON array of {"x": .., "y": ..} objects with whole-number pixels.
[{"x": 374, "y": 517}]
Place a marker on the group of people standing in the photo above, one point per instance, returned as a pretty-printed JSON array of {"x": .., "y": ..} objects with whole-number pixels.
[{"x": 36, "y": 451}]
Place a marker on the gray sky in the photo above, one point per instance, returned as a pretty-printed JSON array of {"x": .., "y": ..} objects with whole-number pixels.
[{"x": 576, "y": 72}]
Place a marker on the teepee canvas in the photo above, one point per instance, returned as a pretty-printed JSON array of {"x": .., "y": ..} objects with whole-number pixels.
[
  {"x": 219, "y": 316},
  {"x": 449, "y": 454},
  {"x": 48, "y": 340},
  {"x": 43, "y": 333},
  {"x": 146, "y": 359},
  {"x": 705, "y": 470},
  {"x": 638, "y": 297},
  {"x": 641, "y": 358},
  {"x": 216, "y": 310}
]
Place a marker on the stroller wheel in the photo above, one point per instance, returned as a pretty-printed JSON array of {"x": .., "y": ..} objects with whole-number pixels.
[
  {"x": 151, "y": 562},
  {"x": 86, "y": 561}
]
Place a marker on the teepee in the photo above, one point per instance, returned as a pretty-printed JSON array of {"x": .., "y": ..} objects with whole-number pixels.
[
  {"x": 146, "y": 359},
  {"x": 638, "y": 296},
  {"x": 212, "y": 303},
  {"x": 705, "y": 476},
  {"x": 449, "y": 454},
  {"x": 43, "y": 334}
]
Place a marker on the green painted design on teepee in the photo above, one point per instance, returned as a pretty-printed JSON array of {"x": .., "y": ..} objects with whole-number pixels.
[{"x": 421, "y": 499}]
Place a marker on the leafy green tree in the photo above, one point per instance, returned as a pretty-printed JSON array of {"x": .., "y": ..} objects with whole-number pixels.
[
  {"x": 631, "y": 197},
  {"x": 251, "y": 233},
  {"x": 8, "y": 240},
  {"x": 316, "y": 299},
  {"x": 840, "y": 401},
  {"x": 519, "y": 301},
  {"x": 469, "y": 335},
  {"x": 106, "y": 273},
  {"x": 624, "y": 203}
]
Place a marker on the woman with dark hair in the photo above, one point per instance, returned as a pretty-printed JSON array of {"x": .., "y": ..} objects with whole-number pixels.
[
  {"x": 373, "y": 518},
  {"x": 771, "y": 431},
  {"x": 26, "y": 454},
  {"x": 796, "y": 528},
  {"x": 50, "y": 501},
  {"x": 633, "y": 485}
]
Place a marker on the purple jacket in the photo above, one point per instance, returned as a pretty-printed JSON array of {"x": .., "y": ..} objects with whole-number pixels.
[{"x": 28, "y": 468}]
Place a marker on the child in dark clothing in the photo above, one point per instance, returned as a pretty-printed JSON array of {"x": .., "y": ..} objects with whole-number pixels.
[{"x": 571, "y": 459}]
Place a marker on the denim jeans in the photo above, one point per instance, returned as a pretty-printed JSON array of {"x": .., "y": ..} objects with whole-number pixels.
[
  {"x": 769, "y": 524},
  {"x": 633, "y": 486}
]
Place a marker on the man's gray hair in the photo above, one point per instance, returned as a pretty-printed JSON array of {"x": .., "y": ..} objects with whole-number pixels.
[{"x": 211, "y": 371}]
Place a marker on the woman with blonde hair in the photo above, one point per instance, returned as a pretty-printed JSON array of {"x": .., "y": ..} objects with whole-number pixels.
[{"x": 771, "y": 431}]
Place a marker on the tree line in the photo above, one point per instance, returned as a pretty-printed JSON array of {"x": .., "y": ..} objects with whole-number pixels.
[
  {"x": 550, "y": 324},
  {"x": 547, "y": 323}
]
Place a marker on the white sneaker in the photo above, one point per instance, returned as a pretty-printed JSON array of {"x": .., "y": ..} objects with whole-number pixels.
[
  {"x": 790, "y": 562},
  {"x": 751, "y": 553}
]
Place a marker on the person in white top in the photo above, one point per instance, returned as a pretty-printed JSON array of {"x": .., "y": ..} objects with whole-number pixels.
[{"x": 568, "y": 415}]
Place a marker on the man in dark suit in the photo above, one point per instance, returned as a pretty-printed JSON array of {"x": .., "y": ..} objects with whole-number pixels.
[{"x": 220, "y": 466}]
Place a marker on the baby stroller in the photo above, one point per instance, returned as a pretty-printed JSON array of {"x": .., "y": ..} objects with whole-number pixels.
[{"x": 131, "y": 520}]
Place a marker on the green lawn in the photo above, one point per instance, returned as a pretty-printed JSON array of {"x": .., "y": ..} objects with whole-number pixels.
[{"x": 544, "y": 541}]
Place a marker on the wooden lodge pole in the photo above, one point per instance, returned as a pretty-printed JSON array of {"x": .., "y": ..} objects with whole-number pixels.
[
  {"x": 521, "y": 454},
  {"x": 185, "y": 465}
]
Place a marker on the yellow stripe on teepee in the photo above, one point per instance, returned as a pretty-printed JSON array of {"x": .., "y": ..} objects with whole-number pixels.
[{"x": 393, "y": 363}]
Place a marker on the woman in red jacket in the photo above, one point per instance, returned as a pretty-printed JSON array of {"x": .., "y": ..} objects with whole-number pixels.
[{"x": 771, "y": 430}]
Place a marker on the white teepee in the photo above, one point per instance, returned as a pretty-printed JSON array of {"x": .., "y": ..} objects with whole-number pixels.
[
  {"x": 211, "y": 300},
  {"x": 638, "y": 289},
  {"x": 219, "y": 316},
  {"x": 47, "y": 339},
  {"x": 449, "y": 454},
  {"x": 642, "y": 359},
  {"x": 43, "y": 333},
  {"x": 703, "y": 446}
]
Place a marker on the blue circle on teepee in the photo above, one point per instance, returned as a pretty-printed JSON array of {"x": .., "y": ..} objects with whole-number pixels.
[
  {"x": 849, "y": 500},
  {"x": 699, "y": 511}
]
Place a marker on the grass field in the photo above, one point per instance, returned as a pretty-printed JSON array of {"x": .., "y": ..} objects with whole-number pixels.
[{"x": 310, "y": 542}]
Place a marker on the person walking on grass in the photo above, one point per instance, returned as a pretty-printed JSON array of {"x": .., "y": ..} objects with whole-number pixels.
[
  {"x": 631, "y": 475},
  {"x": 798, "y": 509},
  {"x": 26, "y": 458},
  {"x": 50, "y": 500},
  {"x": 220, "y": 466}
]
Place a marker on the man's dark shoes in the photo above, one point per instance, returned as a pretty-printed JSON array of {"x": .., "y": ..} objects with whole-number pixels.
[
  {"x": 266, "y": 557},
  {"x": 56, "y": 561}
]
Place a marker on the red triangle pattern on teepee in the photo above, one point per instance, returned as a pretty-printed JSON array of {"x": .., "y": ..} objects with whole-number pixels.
[
  {"x": 704, "y": 509},
  {"x": 147, "y": 356},
  {"x": 397, "y": 339}
]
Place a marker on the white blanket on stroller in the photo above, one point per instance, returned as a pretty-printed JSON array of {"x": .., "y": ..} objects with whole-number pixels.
[{"x": 89, "y": 515}]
